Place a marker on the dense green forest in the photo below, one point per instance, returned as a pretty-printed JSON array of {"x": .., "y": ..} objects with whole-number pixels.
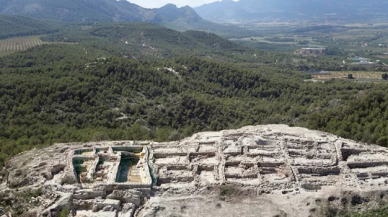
[{"x": 58, "y": 93}]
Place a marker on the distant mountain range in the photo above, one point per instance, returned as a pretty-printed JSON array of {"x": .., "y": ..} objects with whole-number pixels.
[
  {"x": 103, "y": 10},
  {"x": 285, "y": 10}
]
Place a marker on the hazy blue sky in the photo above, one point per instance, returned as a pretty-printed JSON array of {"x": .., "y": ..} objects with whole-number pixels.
[{"x": 160, "y": 3}]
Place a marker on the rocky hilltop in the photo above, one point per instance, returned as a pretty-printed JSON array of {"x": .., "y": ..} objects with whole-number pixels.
[{"x": 271, "y": 170}]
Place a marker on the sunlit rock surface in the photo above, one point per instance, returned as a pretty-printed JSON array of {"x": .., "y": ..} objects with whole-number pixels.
[{"x": 271, "y": 170}]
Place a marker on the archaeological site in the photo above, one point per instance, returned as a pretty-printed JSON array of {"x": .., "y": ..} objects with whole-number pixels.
[{"x": 269, "y": 170}]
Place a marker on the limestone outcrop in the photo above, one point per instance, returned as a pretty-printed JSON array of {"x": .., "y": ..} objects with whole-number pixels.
[{"x": 269, "y": 170}]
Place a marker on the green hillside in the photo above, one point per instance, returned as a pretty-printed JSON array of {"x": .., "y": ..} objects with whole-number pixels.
[
  {"x": 83, "y": 10},
  {"x": 14, "y": 26},
  {"x": 142, "y": 40},
  {"x": 61, "y": 93}
]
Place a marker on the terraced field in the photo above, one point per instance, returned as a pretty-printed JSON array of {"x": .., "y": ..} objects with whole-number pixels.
[{"x": 12, "y": 45}]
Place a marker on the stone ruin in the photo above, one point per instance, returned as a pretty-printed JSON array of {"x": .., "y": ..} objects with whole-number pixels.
[
  {"x": 274, "y": 163},
  {"x": 111, "y": 178}
]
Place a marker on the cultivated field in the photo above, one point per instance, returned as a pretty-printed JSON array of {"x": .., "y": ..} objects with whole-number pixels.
[
  {"x": 360, "y": 75},
  {"x": 12, "y": 45}
]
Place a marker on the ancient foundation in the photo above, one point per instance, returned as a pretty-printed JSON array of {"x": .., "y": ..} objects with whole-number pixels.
[{"x": 122, "y": 178}]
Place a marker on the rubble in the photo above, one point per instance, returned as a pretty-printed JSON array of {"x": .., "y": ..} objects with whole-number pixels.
[{"x": 270, "y": 166}]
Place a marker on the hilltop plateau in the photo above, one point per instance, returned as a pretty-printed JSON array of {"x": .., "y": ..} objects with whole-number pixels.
[{"x": 252, "y": 171}]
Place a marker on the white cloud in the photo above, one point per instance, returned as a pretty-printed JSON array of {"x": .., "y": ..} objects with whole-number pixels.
[{"x": 160, "y": 3}]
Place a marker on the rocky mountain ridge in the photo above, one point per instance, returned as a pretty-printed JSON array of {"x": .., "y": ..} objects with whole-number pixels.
[{"x": 104, "y": 11}]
